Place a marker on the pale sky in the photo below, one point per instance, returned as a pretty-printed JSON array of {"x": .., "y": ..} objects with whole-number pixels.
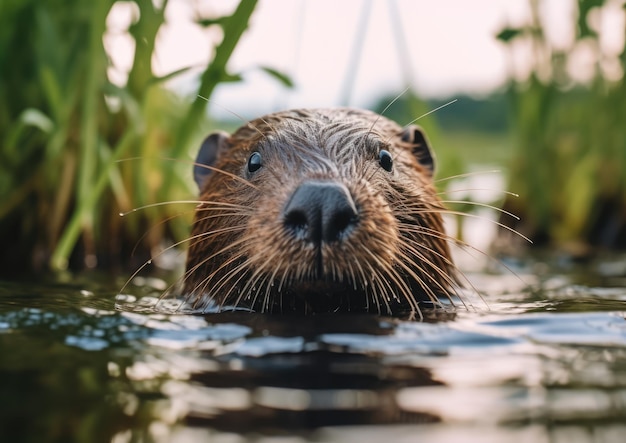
[{"x": 440, "y": 48}]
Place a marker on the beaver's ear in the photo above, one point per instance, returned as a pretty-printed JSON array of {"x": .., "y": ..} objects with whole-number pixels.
[
  {"x": 421, "y": 149},
  {"x": 211, "y": 148}
]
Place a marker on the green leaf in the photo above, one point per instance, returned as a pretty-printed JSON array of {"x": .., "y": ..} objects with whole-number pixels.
[
  {"x": 231, "y": 78},
  {"x": 206, "y": 22},
  {"x": 283, "y": 78},
  {"x": 508, "y": 34},
  {"x": 585, "y": 7},
  {"x": 581, "y": 191},
  {"x": 171, "y": 75},
  {"x": 36, "y": 118}
]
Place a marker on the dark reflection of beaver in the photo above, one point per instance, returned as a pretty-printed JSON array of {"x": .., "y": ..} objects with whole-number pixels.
[{"x": 318, "y": 210}]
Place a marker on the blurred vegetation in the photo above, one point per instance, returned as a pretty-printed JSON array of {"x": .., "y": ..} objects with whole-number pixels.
[
  {"x": 560, "y": 141},
  {"x": 78, "y": 149},
  {"x": 569, "y": 166}
]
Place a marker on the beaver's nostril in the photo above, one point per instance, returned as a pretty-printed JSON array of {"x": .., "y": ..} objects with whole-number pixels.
[
  {"x": 297, "y": 222},
  {"x": 320, "y": 212}
]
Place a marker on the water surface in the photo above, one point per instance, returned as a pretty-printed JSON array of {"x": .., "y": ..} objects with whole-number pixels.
[{"x": 544, "y": 359}]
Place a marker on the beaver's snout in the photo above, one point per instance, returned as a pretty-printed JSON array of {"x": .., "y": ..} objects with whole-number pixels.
[{"x": 320, "y": 212}]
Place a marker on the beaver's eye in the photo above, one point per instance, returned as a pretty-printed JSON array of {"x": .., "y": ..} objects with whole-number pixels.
[
  {"x": 254, "y": 162},
  {"x": 385, "y": 160}
]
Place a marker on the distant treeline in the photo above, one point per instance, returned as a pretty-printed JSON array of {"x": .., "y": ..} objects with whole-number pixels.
[{"x": 468, "y": 114}]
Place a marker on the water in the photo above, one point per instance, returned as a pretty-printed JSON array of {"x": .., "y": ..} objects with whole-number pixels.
[{"x": 546, "y": 362}]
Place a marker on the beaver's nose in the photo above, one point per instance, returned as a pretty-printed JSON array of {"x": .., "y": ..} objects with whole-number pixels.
[{"x": 320, "y": 212}]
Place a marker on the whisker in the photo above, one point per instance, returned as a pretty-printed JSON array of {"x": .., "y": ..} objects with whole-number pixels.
[
  {"x": 149, "y": 262},
  {"x": 378, "y": 117},
  {"x": 427, "y": 289},
  {"x": 201, "y": 286},
  {"x": 235, "y": 177},
  {"x": 464, "y": 245},
  {"x": 192, "y": 270},
  {"x": 216, "y": 216},
  {"x": 430, "y": 112},
  {"x": 382, "y": 266},
  {"x": 482, "y": 205},
  {"x": 217, "y": 205},
  {"x": 154, "y": 205},
  {"x": 188, "y": 202},
  {"x": 464, "y": 214},
  {"x": 467, "y": 174},
  {"x": 201, "y": 165},
  {"x": 377, "y": 284},
  {"x": 446, "y": 277},
  {"x": 272, "y": 280},
  {"x": 160, "y": 223},
  {"x": 258, "y": 272},
  {"x": 499, "y": 191},
  {"x": 408, "y": 241},
  {"x": 243, "y": 120}
]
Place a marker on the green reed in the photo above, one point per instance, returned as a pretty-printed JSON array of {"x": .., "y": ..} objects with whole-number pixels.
[
  {"x": 77, "y": 149},
  {"x": 570, "y": 164}
]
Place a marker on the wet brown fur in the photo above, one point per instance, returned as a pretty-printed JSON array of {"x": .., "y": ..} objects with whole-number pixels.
[{"x": 396, "y": 259}]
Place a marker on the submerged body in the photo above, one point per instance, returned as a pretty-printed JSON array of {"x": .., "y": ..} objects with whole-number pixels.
[{"x": 318, "y": 210}]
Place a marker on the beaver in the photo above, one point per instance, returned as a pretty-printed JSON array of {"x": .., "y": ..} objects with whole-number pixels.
[{"x": 318, "y": 210}]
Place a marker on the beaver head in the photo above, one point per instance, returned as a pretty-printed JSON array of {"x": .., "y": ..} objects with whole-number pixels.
[{"x": 315, "y": 211}]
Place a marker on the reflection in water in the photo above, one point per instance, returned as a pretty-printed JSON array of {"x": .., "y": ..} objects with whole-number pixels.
[{"x": 539, "y": 365}]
